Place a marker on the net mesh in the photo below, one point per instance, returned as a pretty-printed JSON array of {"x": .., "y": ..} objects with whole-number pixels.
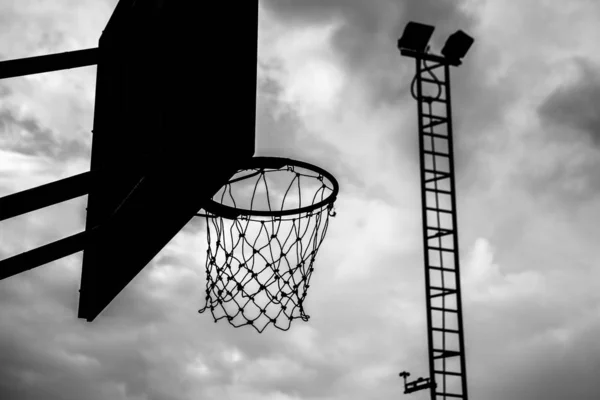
[{"x": 258, "y": 267}]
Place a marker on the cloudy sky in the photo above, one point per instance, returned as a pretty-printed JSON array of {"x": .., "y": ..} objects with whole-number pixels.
[{"x": 333, "y": 91}]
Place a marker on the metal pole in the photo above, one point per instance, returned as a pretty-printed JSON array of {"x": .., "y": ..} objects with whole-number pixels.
[
  {"x": 418, "y": 61},
  {"x": 46, "y": 195},
  {"x": 463, "y": 366},
  {"x": 48, "y": 63},
  {"x": 44, "y": 254}
]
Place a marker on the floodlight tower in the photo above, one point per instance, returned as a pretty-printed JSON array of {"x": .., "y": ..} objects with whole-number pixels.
[{"x": 431, "y": 88}]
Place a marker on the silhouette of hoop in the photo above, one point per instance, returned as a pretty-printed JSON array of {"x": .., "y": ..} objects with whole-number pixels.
[
  {"x": 260, "y": 255},
  {"x": 260, "y": 165}
]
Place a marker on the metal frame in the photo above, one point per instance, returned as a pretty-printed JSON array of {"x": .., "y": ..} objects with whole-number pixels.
[
  {"x": 445, "y": 343},
  {"x": 275, "y": 163},
  {"x": 140, "y": 30},
  {"x": 46, "y": 195},
  {"x": 48, "y": 63},
  {"x": 52, "y": 193},
  {"x": 40, "y": 197}
]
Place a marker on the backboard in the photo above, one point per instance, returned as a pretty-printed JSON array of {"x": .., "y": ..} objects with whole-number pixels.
[{"x": 174, "y": 116}]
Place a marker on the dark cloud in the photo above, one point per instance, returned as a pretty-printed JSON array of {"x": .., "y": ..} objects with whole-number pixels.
[
  {"x": 48, "y": 353},
  {"x": 366, "y": 43},
  {"x": 576, "y": 105},
  {"x": 144, "y": 340},
  {"x": 550, "y": 369},
  {"x": 570, "y": 141},
  {"x": 565, "y": 185},
  {"x": 366, "y": 39}
]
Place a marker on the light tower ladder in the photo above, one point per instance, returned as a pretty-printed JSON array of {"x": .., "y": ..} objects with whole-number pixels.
[{"x": 447, "y": 364}]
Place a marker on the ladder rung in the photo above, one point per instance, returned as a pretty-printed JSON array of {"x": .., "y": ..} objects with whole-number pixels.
[
  {"x": 437, "y": 135},
  {"x": 439, "y": 176},
  {"x": 448, "y": 292},
  {"x": 444, "y": 291},
  {"x": 431, "y": 99},
  {"x": 437, "y": 82},
  {"x": 436, "y": 117},
  {"x": 439, "y": 100},
  {"x": 433, "y": 171},
  {"x": 441, "y": 288},
  {"x": 438, "y": 191},
  {"x": 440, "y": 232},
  {"x": 446, "y": 353},
  {"x": 442, "y": 210},
  {"x": 436, "y": 153},
  {"x": 444, "y": 309},
  {"x": 443, "y": 174},
  {"x": 448, "y": 373},
  {"x": 445, "y": 330},
  {"x": 426, "y": 67},
  {"x": 435, "y": 121},
  {"x": 432, "y": 125},
  {"x": 460, "y": 396},
  {"x": 442, "y": 269},
  {"x": 440, "y": 249}
]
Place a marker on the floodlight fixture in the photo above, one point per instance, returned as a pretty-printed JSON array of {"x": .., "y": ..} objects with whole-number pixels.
[
  {"x": 457, "y": 46},
  {"x": 416, "y": 36}
]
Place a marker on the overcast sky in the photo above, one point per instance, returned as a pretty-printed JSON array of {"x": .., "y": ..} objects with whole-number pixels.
[{"x": 334, "y": 91}]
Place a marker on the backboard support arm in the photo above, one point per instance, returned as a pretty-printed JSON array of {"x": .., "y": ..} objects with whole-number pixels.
[
  {"x": 46, "y": 195},
  {"x": 48, "y": 63},
  {"x": 44, "y": 254},
  {"x": 35, "y": 199}
]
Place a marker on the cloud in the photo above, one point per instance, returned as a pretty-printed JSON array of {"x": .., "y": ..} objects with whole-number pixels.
[
  {"x": 334, "y": 91},
  {"x": 551, "y": 367},
  {"x": 24, "y": 135},
  {"x": 484, "y": 281},
  {"x": 522, "y": 326},
  {"x": 366, "y": 33},
  {"x": 572, "y": 104}
]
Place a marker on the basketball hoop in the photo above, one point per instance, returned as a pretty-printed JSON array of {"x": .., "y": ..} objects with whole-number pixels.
[{"x": 264, "y": 229}]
